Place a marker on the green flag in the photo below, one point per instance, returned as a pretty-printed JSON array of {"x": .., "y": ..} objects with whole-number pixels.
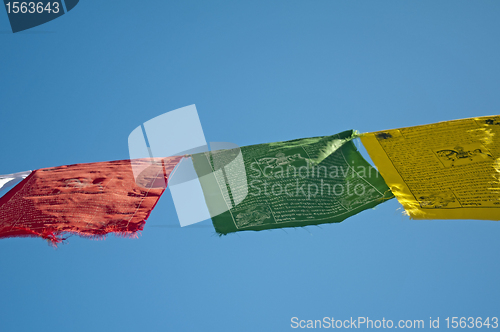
[{"x": 302, "y": 182}]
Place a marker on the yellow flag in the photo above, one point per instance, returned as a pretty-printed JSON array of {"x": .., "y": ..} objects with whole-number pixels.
[{"x": 445, "y": 170}]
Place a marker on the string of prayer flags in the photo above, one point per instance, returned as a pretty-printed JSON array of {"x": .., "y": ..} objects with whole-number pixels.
[{"x": 445, "y": 170}]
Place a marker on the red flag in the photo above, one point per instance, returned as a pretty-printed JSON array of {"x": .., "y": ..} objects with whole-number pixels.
[{"x": 89, "y": 200}]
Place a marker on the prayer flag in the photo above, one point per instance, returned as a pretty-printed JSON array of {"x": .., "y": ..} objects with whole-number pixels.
[
  {"x": 445, "y": 170},
  {"x": 90, "y": 200},
  {"x": 295, "y": 183}
]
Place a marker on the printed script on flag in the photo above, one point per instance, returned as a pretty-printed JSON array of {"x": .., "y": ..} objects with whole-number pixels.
[
  {"x": 445, "y": 170},
  {"x": 295, "y": 183},
  {"x": 89, "y": 200}
]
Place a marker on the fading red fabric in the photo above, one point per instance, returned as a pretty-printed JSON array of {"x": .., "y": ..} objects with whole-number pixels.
[{"x": 89, "y": 200}]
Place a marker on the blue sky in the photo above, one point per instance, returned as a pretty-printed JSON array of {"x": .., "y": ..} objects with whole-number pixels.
[{"x": 73, "y": 89}]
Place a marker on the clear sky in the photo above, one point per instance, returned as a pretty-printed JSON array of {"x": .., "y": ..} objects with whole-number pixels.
[{"x": 73, "y": 89}]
